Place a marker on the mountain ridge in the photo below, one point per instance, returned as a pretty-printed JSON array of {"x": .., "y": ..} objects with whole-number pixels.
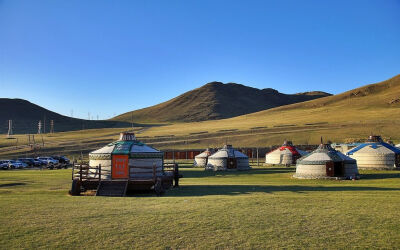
[{"x": 216, "y": 100}]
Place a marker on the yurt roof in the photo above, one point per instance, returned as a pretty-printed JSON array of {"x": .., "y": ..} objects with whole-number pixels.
[
  {"x": 377, "y": 147},
  {"x": 324, "y": 153},
  {"x": 228, "y": 151},
  {"x": 204, "y": 154},
  {"x": 286, "y": 148},
  {"x": 127, "y": 144}
]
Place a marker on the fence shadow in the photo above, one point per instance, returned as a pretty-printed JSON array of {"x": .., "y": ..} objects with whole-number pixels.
[
  {"x": 205, "y": 173},
  {"x": 203, "y": 190}
]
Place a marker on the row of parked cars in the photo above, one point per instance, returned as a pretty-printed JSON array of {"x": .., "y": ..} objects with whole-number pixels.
[{"x": 40, "y": 162}]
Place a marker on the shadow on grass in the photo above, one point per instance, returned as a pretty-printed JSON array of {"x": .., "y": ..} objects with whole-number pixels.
[
  {"x": 366, "y": 176},
  {"x": 203, "y": 190},
  {"x": 205, "y": 173},
  {"x": 12, "y": 184}
]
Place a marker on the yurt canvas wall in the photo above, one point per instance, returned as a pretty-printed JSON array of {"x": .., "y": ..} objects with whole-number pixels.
[
  {"x": 375, "y": 154},
  {"x": 325, "y": 162},
  {"x": 228, "y": 158},
  {"x": 287, "y": 154},
  {"x": 201, "y": 160},
  {"x": 141, "y": 159}
]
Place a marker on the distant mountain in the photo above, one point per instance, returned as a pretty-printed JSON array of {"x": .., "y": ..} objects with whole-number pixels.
[
  {"x": 216, "y": 100},
  {"x": 26, "y": 115}
]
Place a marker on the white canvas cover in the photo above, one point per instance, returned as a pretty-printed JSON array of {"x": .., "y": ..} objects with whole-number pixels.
[{"x": 219, "y": 160}]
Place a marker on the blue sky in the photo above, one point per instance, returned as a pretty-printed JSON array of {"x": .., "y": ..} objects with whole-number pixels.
[{"x": 110, "y": 57}]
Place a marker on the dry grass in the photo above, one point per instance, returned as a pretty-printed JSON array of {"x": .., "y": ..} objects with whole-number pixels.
[{"x": 262, "y": 208}]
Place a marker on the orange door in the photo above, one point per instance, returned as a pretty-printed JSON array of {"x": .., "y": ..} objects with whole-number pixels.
[{"x": 120, "y": 167}]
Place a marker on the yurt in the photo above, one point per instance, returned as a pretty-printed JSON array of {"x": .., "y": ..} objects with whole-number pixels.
[
  {"x": 201, "y": 160},
  {"x": 285, "y": 155},
  {"x": 325, "y": 163},
  {"x": 127, "y": 158},
  {"x": 398, "y": 146},
  {"x": 375, "y": 154},
  {"x": 227, "y": 158}
]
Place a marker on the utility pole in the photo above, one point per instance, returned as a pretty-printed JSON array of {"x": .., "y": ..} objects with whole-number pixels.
[
  {"x": 10, "y": 129},
  {"x": 51, "y": 126},
  {"x": 39, "y": 127},
  {"x": 44, "y": 124}
]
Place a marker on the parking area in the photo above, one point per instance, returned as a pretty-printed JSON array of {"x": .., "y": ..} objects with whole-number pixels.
[{"x": 40, "y": 163}]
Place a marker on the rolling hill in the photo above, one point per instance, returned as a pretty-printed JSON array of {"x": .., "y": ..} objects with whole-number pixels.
[
  {"x": 216, "y": 100},
  {"x": 374, "y": 108},
  {"x": 25, "y": 116}
]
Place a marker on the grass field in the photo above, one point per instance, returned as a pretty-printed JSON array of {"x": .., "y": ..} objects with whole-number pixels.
[{"x": 261, "y": 208}]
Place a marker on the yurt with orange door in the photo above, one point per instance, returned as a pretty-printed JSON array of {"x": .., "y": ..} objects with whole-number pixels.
[
  {"x": 127, "y": 158},
  {"x": 228, "y": 158},
  {"x": 325, "y": 163},
  {"x": 287, "y": 154}
]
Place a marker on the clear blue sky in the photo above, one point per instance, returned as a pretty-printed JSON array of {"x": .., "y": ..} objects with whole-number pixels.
[{"x": 109, "y": 57}]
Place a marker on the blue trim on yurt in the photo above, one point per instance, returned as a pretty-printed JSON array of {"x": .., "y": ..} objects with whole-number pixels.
[{"x": 374, "y": 145}]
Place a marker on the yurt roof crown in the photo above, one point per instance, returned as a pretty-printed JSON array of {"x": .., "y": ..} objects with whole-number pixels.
[
  {"x": 322, "y": 154},
  {"x": 287, "y": 143},
  {"x": 127, "y": 136}
]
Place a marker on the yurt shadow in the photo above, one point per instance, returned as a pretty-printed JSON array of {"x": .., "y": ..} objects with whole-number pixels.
[
  {"x": 207, "y": 173},
  {"x": 13, "y": 184},
  {"x": 205, "y": 190},
  {"x": 380, "y": 176}
]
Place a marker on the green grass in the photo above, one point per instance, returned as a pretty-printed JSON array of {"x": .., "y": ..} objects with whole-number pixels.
[{"x": 261, "y": 208}]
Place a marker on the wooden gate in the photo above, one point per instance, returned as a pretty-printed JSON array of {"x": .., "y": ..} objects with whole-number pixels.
[
  {"x": 120, "y": 167},
  {"x": 330, "y": 169}
]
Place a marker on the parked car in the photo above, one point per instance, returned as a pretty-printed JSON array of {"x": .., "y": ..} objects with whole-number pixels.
[
  {"x": 12, "y": 164},
  {"x": 29, "y": 161},
  {"x": 50, "y": 162},
  {"x": 63, "y": 161},
  {"x": 3, "y": 165}
]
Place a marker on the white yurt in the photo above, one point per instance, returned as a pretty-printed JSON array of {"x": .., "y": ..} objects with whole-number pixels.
[
  {"x": 127, "y": 158},
  {"x": 201, "y": 160},
  {"x": 325, "y": 163},
  {"x": 375, "y": 154},
  {"x": 227, "y": 158},
  {"x": 398, "y": 146},
  {"x": 287, "y": 154}
]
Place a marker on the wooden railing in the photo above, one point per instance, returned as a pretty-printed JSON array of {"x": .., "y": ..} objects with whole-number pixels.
[{"x": 83, "y": 172}]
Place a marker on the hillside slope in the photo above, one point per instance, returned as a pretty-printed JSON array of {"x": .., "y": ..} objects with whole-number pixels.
[
  {"x": 25, "y": 116},
  {"x": 373, "y": 108},
  {"x": 216, "y": 100}
]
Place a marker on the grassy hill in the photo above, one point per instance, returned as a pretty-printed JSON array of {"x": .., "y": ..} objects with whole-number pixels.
[
  {"x": 349, "y": 116},
  {"x": 216, "y": 100},
  {"x": 26, "y": 115}
]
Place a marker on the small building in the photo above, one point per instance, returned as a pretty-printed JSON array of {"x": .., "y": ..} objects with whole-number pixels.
[
  {"x": 228, "y": 158},
  {"x": 325, "y": 163},
  {"x": 375, "y": 154},
  {"x": 127, "y": 158},
  {"x": 287, "y": 154},
  {"x": 124, "y": 165},
  {"x": 201, "y": 159}
]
